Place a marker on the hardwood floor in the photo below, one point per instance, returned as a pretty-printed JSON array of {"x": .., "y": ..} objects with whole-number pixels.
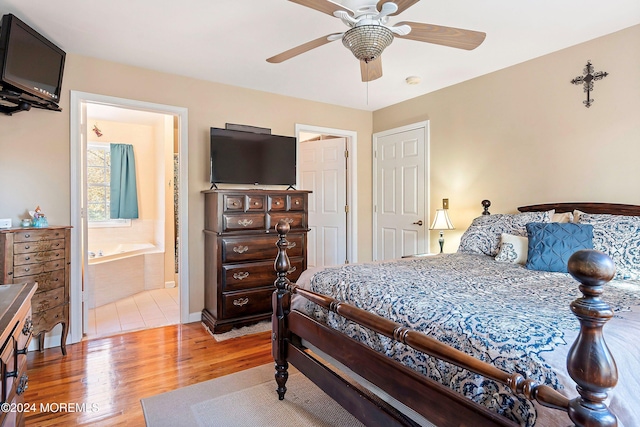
[{"x": 110, "y": 375}]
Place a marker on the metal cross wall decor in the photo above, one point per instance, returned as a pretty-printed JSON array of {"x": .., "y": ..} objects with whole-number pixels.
[{"x": 587, "y": 79}]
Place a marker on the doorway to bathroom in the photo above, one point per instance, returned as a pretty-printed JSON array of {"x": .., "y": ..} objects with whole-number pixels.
[{"x": 129, "y": 232}]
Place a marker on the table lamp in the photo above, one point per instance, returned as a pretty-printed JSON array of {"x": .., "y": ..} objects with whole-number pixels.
[{"x": 442, "y": 222}]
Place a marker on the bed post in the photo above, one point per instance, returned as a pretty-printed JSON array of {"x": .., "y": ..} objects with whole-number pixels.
[
  {"x": 281, "y": 302},
  {"x": 589, "y": 361},
  {"x": 485, "y": 207}
]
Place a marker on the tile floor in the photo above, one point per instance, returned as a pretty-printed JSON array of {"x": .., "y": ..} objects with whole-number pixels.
[{"x": 148, "y": 309}]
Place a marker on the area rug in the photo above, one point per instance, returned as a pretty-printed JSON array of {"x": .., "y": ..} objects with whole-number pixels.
[
  {"x": 245, "y": 330},
  {"x": 247, "y": 398}
]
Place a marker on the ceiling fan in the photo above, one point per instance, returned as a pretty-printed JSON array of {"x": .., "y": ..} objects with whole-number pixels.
[{"x": 368, "y": 34}]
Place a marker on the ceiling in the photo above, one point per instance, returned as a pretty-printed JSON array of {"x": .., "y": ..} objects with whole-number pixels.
[{"x": 228, "y": 41}]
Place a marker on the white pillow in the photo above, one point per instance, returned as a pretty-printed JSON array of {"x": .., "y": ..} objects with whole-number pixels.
[{"x": 513, "y": 249}]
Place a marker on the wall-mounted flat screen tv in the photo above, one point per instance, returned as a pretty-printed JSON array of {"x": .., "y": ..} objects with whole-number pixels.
[
  {"x": 29, "y": 63},
  {"x": 239, "y": 157}
]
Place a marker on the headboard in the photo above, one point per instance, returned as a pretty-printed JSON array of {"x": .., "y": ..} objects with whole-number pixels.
[{"x": 587, "y": 207}]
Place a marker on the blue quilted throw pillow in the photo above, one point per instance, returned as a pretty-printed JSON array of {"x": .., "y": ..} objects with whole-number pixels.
[{"x": 551, "y": 244}]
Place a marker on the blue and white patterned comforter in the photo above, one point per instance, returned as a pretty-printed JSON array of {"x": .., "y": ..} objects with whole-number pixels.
[{"x": 501, "y": 313}]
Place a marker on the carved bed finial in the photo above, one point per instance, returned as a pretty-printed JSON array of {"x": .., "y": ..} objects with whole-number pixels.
[
  {"x": 281, "y": 303},
  {"x": 485, "y": 206},
  {"x": 589, "y": 361}
]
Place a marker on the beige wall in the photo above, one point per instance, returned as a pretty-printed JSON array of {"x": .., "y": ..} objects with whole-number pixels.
[
  {"x": 34, "y": 145},
  {"x": 516, "y": 136},
  {"x": 522, "y": 135}
]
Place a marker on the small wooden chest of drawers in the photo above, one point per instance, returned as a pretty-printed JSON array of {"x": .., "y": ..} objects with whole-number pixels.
[
  {"x": 240, "y": 248},
  {"x": 40, "y": 255},
  {"x": 16, "y": 329}
]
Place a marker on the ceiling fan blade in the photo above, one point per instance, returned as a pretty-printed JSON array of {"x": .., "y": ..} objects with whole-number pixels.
[
  {"x": 288, "y": 54},
  {"x": 371, "y": 70},
  {"x": 324, "y": 6},
  {"x": 402, "y": 5},
  {"x": 402, "y": 30},
  {"x": 445, "y": 36}
]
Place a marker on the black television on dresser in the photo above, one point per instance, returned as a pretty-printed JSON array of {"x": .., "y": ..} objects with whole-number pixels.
[
  {"x": 240, "y": 157},
  {"x": 31, "y": 66}
]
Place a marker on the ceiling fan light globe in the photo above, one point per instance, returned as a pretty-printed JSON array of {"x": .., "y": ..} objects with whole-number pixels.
[{"x": 367, "y": 42}]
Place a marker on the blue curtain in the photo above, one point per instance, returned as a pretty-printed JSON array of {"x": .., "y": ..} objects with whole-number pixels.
[{"x": 124, "y": 192}]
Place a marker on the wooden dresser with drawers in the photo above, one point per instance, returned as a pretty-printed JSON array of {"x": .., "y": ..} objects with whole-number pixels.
[
  {"x": 16, "y": 329},
  {"x": 240, "y": 249},
  {"x": 40, "y": 255}
]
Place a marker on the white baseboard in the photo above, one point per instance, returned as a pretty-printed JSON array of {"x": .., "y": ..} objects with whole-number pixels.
[
  {"x": 195, "y": 317},
  {"x": 171, "y": 284}
]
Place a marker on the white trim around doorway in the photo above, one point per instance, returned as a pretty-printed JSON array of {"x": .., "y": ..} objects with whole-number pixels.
[
  {"x": 352, "y": 173},
  {"x": 75, "y": 297}
]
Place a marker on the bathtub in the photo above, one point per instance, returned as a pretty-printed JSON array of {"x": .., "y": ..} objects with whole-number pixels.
[
  {"x": 121, "y": 271},
  {"x": 119, "y": 251}
]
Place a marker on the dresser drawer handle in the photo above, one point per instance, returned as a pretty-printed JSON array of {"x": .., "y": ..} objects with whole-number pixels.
[
  {"x": 23, "y": 385},
  {"x": 27, "y": 258},
  {"x": 27, "y": 247},
  {"x": 241, "y": 275},
  {"x": 26, "y": 236},
  {"x": 291, "y": 270},
  {"x": 245, "y": 222},
  {"x": 240, "y": 302},
  {"x": 291, "y": 245},
  {"x": 240, "y": 249},
  {"x": 28, "y": 327},
  {"x": 27, "y": 269}
]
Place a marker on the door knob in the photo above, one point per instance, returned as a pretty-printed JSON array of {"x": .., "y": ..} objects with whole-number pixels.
[{"x": 418, "y": 222}]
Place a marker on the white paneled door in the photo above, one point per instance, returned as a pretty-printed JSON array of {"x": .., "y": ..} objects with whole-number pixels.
[
  {"x": 400, "y": 191},
  {"x": 323, "y": 171}
]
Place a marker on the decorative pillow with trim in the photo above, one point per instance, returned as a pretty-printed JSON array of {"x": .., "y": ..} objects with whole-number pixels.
[
  {"x": 619, "y": 237},
  {"x": 562, "y": 217},
  {"x": 576, "y": 216},
  {"x": 483, "y": 235},
  {"x": 551, "y": 245},
  {"x": 513, "y": 249}
]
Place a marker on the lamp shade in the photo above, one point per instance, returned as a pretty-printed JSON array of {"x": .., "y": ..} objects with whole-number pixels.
[{"x": 441, "y": 221}]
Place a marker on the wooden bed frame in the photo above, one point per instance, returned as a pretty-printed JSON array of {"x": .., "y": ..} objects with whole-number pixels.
[{"x": 589, "y": 362}]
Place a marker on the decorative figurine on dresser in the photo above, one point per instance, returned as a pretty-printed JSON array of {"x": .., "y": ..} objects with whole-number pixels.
[
  {"x": 41, "y": 255},
  {"x": 240, "y": 244}
]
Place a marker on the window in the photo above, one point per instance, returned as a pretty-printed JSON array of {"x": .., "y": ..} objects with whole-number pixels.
[{"x": 98, "y": 190}]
